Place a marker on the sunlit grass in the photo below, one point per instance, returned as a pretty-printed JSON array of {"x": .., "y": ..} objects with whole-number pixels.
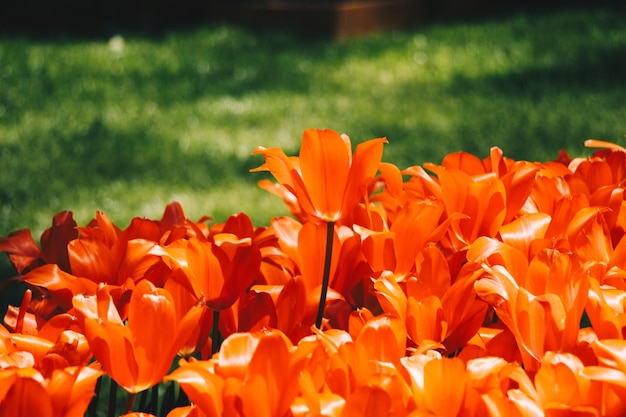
[{"x": 128, "y": 124}]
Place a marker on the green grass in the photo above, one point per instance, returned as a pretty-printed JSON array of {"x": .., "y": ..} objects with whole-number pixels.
[{"x": 86, "y": 125}]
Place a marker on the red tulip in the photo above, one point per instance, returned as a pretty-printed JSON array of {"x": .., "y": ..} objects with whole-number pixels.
[{"x": 24, "y": 253}]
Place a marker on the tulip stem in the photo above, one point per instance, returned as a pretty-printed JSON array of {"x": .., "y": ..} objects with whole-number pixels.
[
  {"x": 330, "y": 233},
  {"x": 130, "y": 401},
  {"x": 215, "y": 333}
]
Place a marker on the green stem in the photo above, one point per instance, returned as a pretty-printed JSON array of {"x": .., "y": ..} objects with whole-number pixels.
[
  {"x": 330, "y": 233},
  {"x": 112, "y": 398},
  {"x": 130, "y": 401},
  {"x": 215, "y": 333}
]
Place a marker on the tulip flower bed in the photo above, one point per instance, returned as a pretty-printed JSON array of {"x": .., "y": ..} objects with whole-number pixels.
[{"x": 470, "y": 288}]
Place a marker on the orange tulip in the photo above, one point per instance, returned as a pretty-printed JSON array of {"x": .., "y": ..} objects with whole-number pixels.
[
  {"x": 66, "y": 393},
  {"x": 564, "y": 386},
  {"x": 491, "y": 382},
  {"x": 432, "y": 307},
  {"x": 69, "y": 349},
  {"x": 139, "y": 354},
  {"x": 396, "y": 250},
  {"x": 326, "y": 179},
  {"x": 202, "y": 386},
  {"x": 482, "y": 201},
  {"x": 218, "y": 271},
  {"x": 184, "y": 302},
  {"x": 305, "y": 247},
  {"x": 104, "y": 253},
  {"x": 431, "y": 379},
  {"x": 327, "y": 182},
  {"x": 541, "y": 303},
  {"x": 606, "y": 309},
  {"x": 253, "y": 374}
]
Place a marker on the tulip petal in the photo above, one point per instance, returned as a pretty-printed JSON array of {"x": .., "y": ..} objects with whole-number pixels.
[
  {"x": 325, "y": 165},
  {"x": 152, "y": 324},
  {"x": 71, "y": 390},
  {"x": 26, "y": 398},
  {"x": 367, "y": 401},
  {"x": 442, "y": 397},
  {"x": 22, "y": 250},
  {"x": 594, "y": 143},
  {"x": 278, "y": 164},
  {"x": 365, "y": 163},
  {"x": 465, "y": 162},
  {"x": 520, "y": 232},
  {"x": 203, "y": 387},
  {"x": 235, "y": 354}
]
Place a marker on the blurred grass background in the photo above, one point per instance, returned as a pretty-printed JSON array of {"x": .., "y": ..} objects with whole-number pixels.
[{"x": 128, "y": 123}]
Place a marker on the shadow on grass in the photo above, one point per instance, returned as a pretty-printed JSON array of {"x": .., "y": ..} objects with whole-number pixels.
[
  {"x": 103, "y": 155},
  {"x": 575, "y": 83},
  {"x": 599, "y": 69}
]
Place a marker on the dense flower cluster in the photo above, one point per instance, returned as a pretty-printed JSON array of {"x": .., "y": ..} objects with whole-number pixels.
[{"x": 489, "y": 287}]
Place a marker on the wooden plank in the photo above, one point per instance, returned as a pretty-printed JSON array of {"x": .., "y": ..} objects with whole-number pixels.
[{"x": 339, "y": 20}]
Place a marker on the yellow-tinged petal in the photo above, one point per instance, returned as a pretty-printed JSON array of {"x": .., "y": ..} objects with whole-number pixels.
[
  {"x": 594, "y": 143},
  {"x": 600, "y": 373},
  {"x": 36, "y": 345}
]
